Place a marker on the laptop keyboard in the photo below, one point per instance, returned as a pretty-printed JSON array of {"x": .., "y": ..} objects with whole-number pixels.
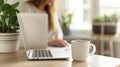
[{"x": 39, "y": 53}]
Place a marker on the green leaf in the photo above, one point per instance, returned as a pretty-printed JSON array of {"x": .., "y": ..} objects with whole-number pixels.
[
  {"x": 5, "y": 7},
  {"x": 15, "y": 5},
  {"x": 1, "y": 2},
  {"x": 10, "y": 12},
  {"x": 67, "y": 19},
  {"x": 8, "y": 19}
]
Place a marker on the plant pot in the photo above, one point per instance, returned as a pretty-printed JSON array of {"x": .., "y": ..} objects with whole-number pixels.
[
  {"x": 9, "y": 42},
  {"x": 66, "y": 31},
  {"x": 109, "y": 28}
]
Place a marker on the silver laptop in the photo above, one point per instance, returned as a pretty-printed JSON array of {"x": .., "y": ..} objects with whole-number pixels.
[{"x": 34, "y": 32}]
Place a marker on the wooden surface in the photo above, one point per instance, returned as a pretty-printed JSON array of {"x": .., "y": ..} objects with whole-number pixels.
[
  {"x": 18, "y": 59},
  {"x": 118, "y": 66}
]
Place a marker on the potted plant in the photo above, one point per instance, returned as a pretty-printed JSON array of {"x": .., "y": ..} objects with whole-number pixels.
[
  {"x": 109, "y": 24},
  {"x": 65, "y": 22},
  {"x": 8, "y": 27}
]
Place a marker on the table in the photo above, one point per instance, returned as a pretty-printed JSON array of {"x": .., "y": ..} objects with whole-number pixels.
[
  {"x": 110, "y": 43},
  {"x": 18, "y": 59}
]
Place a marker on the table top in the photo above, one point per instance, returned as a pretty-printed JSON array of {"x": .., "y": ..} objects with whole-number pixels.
[{"x": 18, "y": 59}]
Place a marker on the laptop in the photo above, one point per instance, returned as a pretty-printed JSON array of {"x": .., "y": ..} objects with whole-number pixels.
[{"x": 34, "y": 33}]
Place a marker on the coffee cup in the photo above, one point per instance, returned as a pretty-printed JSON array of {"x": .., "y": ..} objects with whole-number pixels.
[{"x": 81, "y": 49}]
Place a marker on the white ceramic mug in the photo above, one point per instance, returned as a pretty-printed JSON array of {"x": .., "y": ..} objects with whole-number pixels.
[{"x": 81, "y": 48}]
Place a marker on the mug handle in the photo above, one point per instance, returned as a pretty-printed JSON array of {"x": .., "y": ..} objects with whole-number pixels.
[{"x": 93, "y": 50}]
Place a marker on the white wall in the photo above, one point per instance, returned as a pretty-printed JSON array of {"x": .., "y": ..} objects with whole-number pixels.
[
  {"x": 13, "y": 1},
  {"x": 61, "y": 6},
  {"x": 94, "y": 8}
]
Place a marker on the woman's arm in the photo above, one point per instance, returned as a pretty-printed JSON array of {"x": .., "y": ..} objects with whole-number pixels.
[
  {"x": 59, "y": 33},
  {"x": 58, "y": 41}
]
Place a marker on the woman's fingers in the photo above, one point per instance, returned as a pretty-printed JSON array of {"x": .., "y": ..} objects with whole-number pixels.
[
  {"x": 58, "y": 42},
  {"x": 63, "y": 43}
]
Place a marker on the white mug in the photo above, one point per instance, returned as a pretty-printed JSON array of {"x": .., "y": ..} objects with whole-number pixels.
[{"x": 80, "y": 49}]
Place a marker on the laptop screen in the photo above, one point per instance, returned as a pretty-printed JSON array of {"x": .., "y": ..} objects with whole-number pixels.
[{"x": 34, "y": 30}]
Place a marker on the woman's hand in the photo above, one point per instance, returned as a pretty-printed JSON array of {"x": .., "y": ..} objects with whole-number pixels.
[{"x": 58, "y": 42}]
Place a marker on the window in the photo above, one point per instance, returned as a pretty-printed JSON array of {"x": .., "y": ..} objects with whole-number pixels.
[
  {"x": 81, "y": 14},
  {"x": 76, "y": 7},
  {"x": 110, "y": 8},
  {"x": 86, "y": 9}
]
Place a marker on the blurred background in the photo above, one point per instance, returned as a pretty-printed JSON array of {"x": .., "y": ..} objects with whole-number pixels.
[{"x": 82, "y": 24}]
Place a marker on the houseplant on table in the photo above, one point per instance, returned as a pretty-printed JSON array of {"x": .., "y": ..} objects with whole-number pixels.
[
  {"x": 8, "y": 27},
  {"x": 65, "y": 22},
  {"x": 109, "y": 24}
]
